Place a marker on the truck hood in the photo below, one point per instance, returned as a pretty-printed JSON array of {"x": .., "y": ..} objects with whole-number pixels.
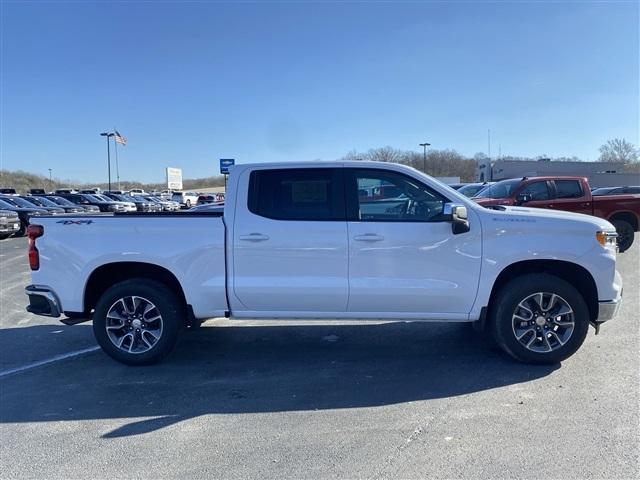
[{"x": 525, "y": 214}]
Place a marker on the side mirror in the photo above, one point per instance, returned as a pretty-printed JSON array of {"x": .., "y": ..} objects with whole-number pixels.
[
  {"x": 524, "y": 198},
  {"x": 457, "y": 215}
]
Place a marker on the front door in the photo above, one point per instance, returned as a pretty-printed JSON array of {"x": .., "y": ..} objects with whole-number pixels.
[
  {"x": 290, "y": 242},
  {"x": 404, "y": 257},
  {"x": 538, "y": 195}
]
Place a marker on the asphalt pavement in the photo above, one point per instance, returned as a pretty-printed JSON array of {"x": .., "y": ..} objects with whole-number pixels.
[{"x": 314, "y": 400}]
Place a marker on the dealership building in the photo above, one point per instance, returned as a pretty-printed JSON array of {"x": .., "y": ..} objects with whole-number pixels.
[{"x": 600, "y": 174}]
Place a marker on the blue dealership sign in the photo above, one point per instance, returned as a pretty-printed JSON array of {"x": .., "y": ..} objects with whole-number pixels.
[{"x": 225, "y": 163}]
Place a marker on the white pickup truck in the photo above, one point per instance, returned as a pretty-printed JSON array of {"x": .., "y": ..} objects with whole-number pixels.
[{"x": 328, "y": 240}]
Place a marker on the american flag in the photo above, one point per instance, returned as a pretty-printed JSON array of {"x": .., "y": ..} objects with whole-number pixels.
[{"x": 120, "y": 139}]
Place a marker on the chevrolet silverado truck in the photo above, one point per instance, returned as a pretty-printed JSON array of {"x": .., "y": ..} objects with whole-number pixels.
[
  {"x": 329, "y": 240},
  {"x": 570, "y": 194}
]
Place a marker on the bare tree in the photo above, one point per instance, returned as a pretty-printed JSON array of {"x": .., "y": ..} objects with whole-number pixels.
[{"x": 619, "y": 151}]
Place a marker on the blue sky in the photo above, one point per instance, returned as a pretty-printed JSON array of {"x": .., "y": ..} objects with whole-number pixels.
[{"x": 189, "y": 83}]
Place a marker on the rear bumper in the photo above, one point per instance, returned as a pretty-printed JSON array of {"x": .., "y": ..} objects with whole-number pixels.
[{"x": 43, "y": 301}]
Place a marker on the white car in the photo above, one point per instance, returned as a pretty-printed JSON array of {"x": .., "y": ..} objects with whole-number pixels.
[
  {"x": 300, "y": 241},
  {"x": 167, "y": 205},
  {"x": 127, "y": 206},
  {"x": 186, "y": 199}
]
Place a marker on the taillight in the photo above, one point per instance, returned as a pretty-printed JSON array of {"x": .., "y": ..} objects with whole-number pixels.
[{"x": 33, "y": 232}]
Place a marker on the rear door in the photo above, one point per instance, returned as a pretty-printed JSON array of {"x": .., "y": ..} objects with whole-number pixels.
[
  {"x": 290, "y": 241},
  {"x": 569, "y": 195},
  {"x": 403, "y": 255}
]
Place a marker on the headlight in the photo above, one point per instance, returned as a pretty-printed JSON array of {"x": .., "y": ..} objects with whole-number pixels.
[{"x": 608, "y": 240}]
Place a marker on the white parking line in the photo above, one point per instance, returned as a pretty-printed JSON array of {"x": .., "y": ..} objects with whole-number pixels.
[{"x": 57, "y": 358}]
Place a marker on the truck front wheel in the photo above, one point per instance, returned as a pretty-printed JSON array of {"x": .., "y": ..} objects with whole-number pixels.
[
  {"x": 137, "y": 321},
  {"x": 539, "y": 318}
]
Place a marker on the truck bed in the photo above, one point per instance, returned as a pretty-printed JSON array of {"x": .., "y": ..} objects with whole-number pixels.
[{"x": 189, "y": 245}]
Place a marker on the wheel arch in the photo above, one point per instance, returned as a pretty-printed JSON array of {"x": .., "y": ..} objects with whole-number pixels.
[
  {"x": 109, "y": 274},
  {"x": 572, "y": 273}
]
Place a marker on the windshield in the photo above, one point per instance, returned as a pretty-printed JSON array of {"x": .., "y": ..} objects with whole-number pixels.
[
  {"x": 61, "y": 201},
  {"x": 471, "y": 190},
  {"x": 41, "y": 201},
  {"x": 501, "y": 189},
  {"x": 97, "y": 198},
  {"x": 19, "y": 202},
  {"x": 603, "y": 191},
  {"x": 34, "y": 201},
  {"x": 4, "y": 204}
]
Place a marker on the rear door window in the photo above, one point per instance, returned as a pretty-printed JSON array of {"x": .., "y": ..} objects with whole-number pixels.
[
  {"x": 297, "y": 194},
  {"x": 568, "y": 189}
]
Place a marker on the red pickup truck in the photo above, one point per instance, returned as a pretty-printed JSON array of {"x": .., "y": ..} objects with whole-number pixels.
[{"x": 567, "y": 193}]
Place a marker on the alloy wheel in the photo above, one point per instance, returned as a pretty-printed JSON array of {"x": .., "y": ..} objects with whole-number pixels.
[
  {"x": 543, "y": 322},
  {"x": 134, "y": 324}
]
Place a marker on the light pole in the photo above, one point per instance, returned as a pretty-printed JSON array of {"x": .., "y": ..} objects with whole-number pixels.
[
  {"x": 50, "y": 181},
  {"x": 108, "y": 136},
  {"x": 424, "y": 155}
]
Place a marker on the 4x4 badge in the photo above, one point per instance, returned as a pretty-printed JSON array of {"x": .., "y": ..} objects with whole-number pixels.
[{"x": 75, "y": 222}]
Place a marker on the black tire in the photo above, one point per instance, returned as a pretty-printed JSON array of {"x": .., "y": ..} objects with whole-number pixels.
[
  {"x": 168, "y": 306},
  {"x": 23, "y": 229},
  {"x": 505, "y": 305},
  {"x": 625, "y": 234}
]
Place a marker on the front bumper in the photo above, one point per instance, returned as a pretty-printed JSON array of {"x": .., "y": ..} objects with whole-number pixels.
[
  {"x": 608, "y": 309},
  {"x": 43, "y": 301}
]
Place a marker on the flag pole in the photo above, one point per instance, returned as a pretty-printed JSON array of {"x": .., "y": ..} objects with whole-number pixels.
[{"x": 115, "y": 145}]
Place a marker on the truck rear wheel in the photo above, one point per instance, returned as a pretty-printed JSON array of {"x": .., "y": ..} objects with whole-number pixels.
[
  {"x": 137, "y": 321},
  {"x": 539, "y": 318},
  {"x": 625, "y": 234}
]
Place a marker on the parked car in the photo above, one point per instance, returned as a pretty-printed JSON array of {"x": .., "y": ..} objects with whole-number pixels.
[
  {"x": 24, "y": 214},
  {"x": 88, "y": 199},
  {"x": 9, "y": 223},
  {"x": 91, "y": 191},
  {"x": 139, "y": 192},
  {"x": 615, "y": 191},
  {"x": 127, "y": 206},
  {"x": 66, "y": 190},
  {"x": 43, "y": 202},
  {"x": 571, "y": 194},
  {"x": 140, "y": 204},
  {"x": 472, "y": 189},
  {"x": 163, "y": 194},
  {"x": 165, "y": 205},
  {"x": 206, "y": 198},
  {"x": 186, "y": 199},
  {"x": 8, "y": 191},
  {"x": 299, "y": 242},
  {"x": 21, "y": 202},
  {"x": 208, "y": 207},
  {"x": 64, "y": 203}
]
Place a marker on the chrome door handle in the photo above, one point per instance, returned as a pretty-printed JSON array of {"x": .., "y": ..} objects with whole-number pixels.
[
  {"x": 369, "y": 237},
  {"x": 254, "y": 237}
]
